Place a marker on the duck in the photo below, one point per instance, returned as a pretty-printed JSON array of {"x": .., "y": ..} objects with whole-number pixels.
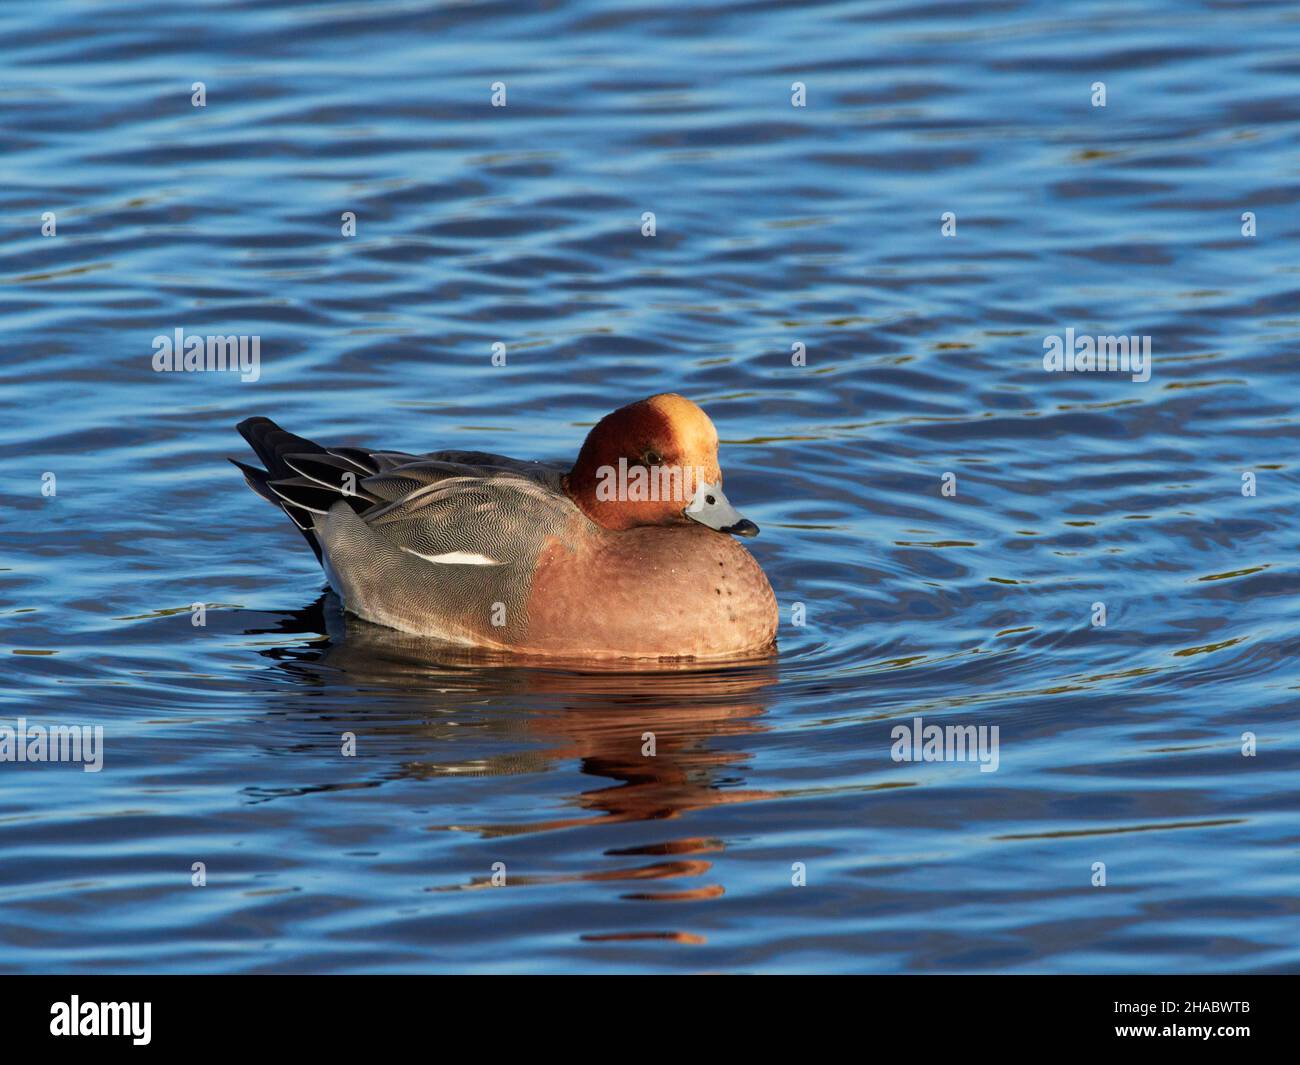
[{"x": 631, "y": 553}]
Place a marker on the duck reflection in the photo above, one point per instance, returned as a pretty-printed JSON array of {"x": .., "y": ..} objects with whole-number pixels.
[{"x": 661, "y": 736}]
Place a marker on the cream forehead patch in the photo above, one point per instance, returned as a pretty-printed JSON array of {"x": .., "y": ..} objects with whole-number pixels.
[{"x": 689, "y": 422}]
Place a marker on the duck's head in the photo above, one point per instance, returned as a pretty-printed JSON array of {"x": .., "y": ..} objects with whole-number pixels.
[{"x": 654, "y": 462}]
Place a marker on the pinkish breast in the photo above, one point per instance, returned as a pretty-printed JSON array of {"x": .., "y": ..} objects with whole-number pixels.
[{"x": 649, "y": 591}]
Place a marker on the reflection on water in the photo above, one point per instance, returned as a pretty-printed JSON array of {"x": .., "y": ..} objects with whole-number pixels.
[{"x": 645, "y": 731}]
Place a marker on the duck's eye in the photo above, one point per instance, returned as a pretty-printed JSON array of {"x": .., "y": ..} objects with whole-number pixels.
[
  {"x": 652, "y": 457},
  {"x": 710, "y": 500}
]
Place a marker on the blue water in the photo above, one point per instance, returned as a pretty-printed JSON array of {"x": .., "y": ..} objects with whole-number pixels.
[{"x": 775, "y": 225}]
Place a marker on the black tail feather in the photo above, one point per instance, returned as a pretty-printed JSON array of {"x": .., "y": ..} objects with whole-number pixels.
[
  {"x": 256, "y": 480},
  {"x": 271, "y": 444}
]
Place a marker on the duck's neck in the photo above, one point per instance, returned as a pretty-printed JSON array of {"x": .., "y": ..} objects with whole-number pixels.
[{"x": 613, "y": 514}]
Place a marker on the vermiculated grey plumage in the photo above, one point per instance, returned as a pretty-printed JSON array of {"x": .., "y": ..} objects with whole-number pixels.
[{"x": 444, "y": 543}]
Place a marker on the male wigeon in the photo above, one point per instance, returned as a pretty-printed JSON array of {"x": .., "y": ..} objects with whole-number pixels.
[{"x": 626, "y": 555}]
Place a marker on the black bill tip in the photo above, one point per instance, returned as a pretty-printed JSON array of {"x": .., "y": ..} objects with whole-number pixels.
[{"x": 744, "y": 527}]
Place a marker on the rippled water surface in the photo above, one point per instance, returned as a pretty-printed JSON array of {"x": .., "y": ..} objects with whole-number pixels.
[{"x": 776, "y": 225}]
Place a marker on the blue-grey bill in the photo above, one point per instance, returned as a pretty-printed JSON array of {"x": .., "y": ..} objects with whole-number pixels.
[{"x": 710, "y": 507}]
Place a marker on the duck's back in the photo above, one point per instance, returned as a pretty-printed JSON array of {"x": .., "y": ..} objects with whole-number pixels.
[{"x": 449, "y": 547}]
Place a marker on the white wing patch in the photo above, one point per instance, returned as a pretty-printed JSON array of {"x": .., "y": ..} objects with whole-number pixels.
[{"x": 456, "y": 558}]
